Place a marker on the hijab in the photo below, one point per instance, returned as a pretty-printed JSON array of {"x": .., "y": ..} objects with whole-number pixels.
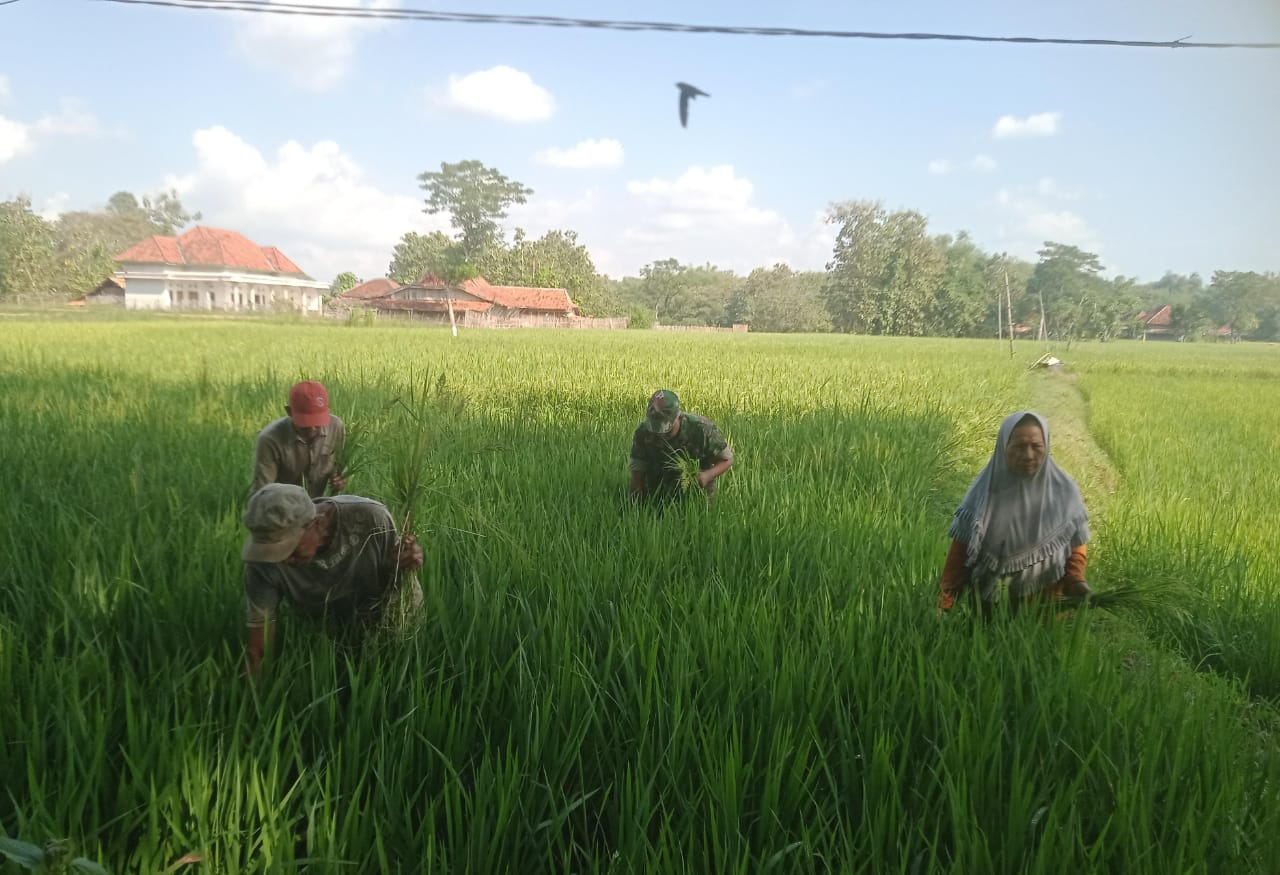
[{"x": 1019, "y": 527}]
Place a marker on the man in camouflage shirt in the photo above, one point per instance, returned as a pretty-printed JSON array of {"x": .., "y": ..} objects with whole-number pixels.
[
  {"x": 666, "y": 433},
  {"x": 336, "y": 559},
  {"x": 301, "y": 447}
]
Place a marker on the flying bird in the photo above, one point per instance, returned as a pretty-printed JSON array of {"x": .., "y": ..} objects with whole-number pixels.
[{"x": 687, "y": 92}]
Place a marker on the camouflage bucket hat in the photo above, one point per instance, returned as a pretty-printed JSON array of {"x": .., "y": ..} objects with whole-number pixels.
[
  {"x": 277, "y": 517},
  {"x": 664, "y": 407}
]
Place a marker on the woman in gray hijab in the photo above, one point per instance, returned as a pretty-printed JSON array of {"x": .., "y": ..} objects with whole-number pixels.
[{"x": 1022, "y": 520}]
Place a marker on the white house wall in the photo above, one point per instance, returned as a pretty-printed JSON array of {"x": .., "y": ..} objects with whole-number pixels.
[
  {"x": 171, "y": 287},
  {"x": 146, "y": 293}
]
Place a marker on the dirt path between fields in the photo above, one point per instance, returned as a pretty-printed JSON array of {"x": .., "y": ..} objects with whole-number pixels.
[{"x": 1056, "y": 396}]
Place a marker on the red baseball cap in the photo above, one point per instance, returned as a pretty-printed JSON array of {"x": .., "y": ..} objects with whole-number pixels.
[{"x": 309, "y": 404}]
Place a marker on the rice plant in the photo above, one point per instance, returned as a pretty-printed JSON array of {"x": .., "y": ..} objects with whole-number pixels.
[
  {"x": 687, "y": 470},
  {"x": 746, "y": 686}
]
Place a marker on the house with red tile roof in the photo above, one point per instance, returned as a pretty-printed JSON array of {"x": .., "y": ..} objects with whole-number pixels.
[
  {"x": 432, "y": 296},
  {"x": 214, "y": 269},
  {"x": 369, "y": 289},
  {"x": 1157, "y": 324}
]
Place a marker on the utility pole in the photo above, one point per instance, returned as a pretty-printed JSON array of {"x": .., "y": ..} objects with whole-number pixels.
[
  {"x": 1044, "y": 334},
  {"x": 999, "y": 316},
  {"x": 1008, "y": 309}
]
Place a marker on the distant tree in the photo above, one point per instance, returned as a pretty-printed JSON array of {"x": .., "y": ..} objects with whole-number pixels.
[
  {"x": 89, "y": 241},
  {"x": 966, "y": 293},
  {"x": 418, "y": 254},
  {"x": 476, "y": 197},
  {"x": 885, "y": 270},
  {"x": 1062, "y": 282},
  {"x": 342, "y": 282},
  {"x": 662, "y": 283},
  {"x": 166, "y": 213},
  {"x": 26, "y": 251},
  {"x": 778, "y": 299},
  {"x": 1108, "y": 308},
  {"x": 681, "y": 294},
  {"x": 554, "y": 260},
  {"x": 1268, "y": 308},
  {"x": 639, "y": 316},
  {"x": 1239, "y": 298}
]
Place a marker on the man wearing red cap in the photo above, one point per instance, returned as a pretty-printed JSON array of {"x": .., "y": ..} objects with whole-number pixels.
[{"x": 300, "y": 448}]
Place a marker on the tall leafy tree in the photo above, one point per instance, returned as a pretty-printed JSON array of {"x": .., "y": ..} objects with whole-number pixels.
[
  {"x": 681, "y": 294},
  {"x": 554, "y": 260},
  {"x": 342, "y": 282},
  {"x": 476, "y": 197},
  {"x": 1240, "y": 298},
  {"x": 966, "y": 293},
  {"x": 778, "y": 299},
  {"x": 885, "y": 270},
  {"x": 74, "y": 253},
  {"x": 419, "y": 254},
  {"x": 1062, "y": 282},
  {"x": 26, "y": 251}
]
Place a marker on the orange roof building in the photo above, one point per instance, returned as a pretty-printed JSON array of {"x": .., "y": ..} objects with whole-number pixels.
[
  {"x": 430, "y": 295},
  {"x": 214, "y": 269}
]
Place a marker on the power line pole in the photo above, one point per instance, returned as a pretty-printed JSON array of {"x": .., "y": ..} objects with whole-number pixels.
[{"x": 1008, "y": 309}]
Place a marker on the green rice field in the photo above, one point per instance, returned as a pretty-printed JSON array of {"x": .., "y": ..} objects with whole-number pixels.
[{"x": 757, "y": 685}]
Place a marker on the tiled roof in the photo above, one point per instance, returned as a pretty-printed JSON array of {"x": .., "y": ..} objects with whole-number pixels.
[
  {"x": 210, "y": 247},
  {"x": 279, "y": 260},
  {"x": 374, "y": 288},
  {"x": 510, "y": 297},
  {"x": 154, "y": 250},
  {"x": 520, "y": 297},
  {"x": 430, "y": 281},
  {"x": 1162, "y": 316},
  {"x": 428, "y": 306}
]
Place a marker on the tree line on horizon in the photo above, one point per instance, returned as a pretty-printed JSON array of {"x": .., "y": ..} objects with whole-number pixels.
[{"x": 887, "y": 274}]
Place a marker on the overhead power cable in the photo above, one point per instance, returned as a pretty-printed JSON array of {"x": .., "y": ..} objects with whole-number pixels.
[{"x": 265, "y": 7}]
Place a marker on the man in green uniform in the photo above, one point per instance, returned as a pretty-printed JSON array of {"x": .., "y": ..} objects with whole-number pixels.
[
  {"x": 301, "y": 447},
  {"x": 337, "y": 560},
  {"x": 666, "y": 433}
]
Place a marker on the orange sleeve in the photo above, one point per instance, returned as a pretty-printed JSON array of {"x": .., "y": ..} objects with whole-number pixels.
[
  {"x": 955, "y": 577},
  {"x": 1076, "y": 564}
]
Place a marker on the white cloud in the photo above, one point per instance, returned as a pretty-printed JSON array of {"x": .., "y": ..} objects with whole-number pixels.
[
  {"x": 1042, "y": 124},
  {"x": 312, "y": 202},
  {"x": 1046, "y": 187},
  {"x": 71, "y": 120},
  {"x": 939, "y": 167},
  {"x": 542, "y": 213},
  {"x": 4, "y": 88},
  {"x": 707, "y": 214},
  {"x": 983, "y": 163},
  {"x": 588, "y": 153},
  {"x": 500, "y": 92},
  {"x": 1060, "y": 226},
  {"x": 315, "y": 202},
  {"x": 716, "y": 192},
  {"x": 54, "y": 206},
  {"x": 1031, "y": 222},
  {"x": 313, "y": 52},
  {"x": 15, "y": 139}
]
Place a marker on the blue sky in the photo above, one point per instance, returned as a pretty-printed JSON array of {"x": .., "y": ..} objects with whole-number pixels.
[{"x": 308, "y": 134}]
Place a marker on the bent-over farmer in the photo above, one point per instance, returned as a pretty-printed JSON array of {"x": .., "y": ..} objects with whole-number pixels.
[
  {"x": 663, "y": 435},
  {"x": 334, "y": 559}
]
